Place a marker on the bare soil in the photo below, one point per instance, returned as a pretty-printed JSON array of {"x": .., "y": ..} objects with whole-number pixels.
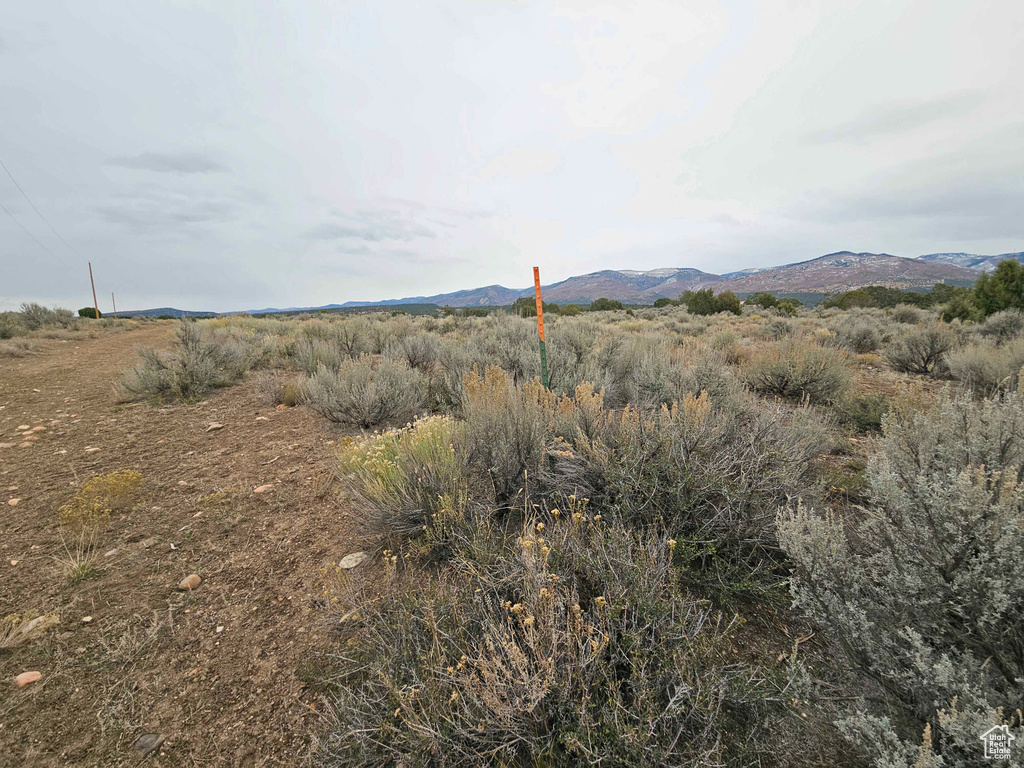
[{"x": 226, "y": 673}]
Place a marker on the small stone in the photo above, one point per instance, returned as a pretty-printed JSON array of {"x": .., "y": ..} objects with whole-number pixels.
[
  {"x": 262, "y": 488},
  {"x": 23, "y": 427},
  {"x": 150, "y": 542},
  {"x": 91, "y": 449},
  {"x": 148, "y": 743},
  {"x": 24, "y": 445},
  {"x": 183, "y": 483},
  {"x": 15, "y": 562},
  {"x": 39, "y": 429},
  {"x": 219, "y": 630},
  {"x": 27, "y": 677},
  {"x": 262, "y": 418},
  {"x": 6, "y": 445},
  {"x": 13, "y": 502},
  {"x": 87, "y": 619},
  {"x": 29, "y": 438},
  {"x": 351, "y": 561},
  {"x": 190, "y": 582},
  {"x": 110, "y": 552},
  {"x": 279, "y": 407},
  {"x": 214, "y": 426}
]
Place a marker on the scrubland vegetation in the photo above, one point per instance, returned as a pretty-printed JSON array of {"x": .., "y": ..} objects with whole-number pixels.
[
  {"x": 19, "y": 331},
  {"x": 784, "y": 536}
]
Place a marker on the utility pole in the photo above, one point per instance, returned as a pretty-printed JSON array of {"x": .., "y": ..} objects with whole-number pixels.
[
  {"x": 114, "y": 303},
  {"x": 540, "y": 328},
  {"x": 95, "y": 304}
]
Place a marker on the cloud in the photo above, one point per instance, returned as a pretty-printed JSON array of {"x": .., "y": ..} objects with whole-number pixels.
[
  {"x": 372, "y": 225},
  {"x": 882, "y": 121},
  {"x": 169, "y": 162}
]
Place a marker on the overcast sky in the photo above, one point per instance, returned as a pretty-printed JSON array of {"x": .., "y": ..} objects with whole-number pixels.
[{"x": 223, "y": 156}]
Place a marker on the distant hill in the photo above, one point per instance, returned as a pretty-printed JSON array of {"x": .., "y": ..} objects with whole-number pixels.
[
  {"x": 844, "y": 271},
  {"x": 970, "y": 260},
  {"x": 631, "y": 286},
  {"x": 832, "y": 273},
  {"x": 162, "y": 311}
]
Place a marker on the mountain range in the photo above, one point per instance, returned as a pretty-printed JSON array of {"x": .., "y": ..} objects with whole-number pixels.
[{"x": 832, "y": 273}]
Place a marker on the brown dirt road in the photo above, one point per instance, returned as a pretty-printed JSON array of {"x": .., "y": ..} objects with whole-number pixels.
[{"x": 226, "y": 673}]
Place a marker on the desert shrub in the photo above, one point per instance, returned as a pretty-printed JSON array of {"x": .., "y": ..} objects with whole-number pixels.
[
  {"x": 17, "y": 348},
  {"x": 195, "y": 367},
  {"x": 859, "y": 334},
  {"x": 420, "y": 350},
  {"x": 444, "y": 388},
  {"x": 83, "y": 518},
  {"x": 10, "y": 325},
  {"x": 1003, "y": 326},
  {"x": 507, "y": 430},
  {"x": 921, "y": 350},
  {"x": 778, "y": 328},
  {"x": 924, "y": 592},
  {"x": 637, "y": 371},
  {"x": 359, "y": 394},
  {"x": 904, "y": 313},
  {"x": 314, "y": 353},
  {"x": 796, "y": 369},
  {"x": 985, "y": 368},
  {"x": 275, "y": 389},
  {"x": 35, "y": 316},
  {"x": 863, "y": 413},
  {"x": 99, "y": 496},
  {"x": 89, "y": 313},
  {"x": 569, "y": 645},
  {"x": 409, "y": 480}
]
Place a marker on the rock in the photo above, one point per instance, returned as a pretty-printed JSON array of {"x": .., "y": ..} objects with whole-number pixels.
[
  {"x": 91, "y": 449},
  {"x": 110, "y": 552},
  {"x": 27, "y": 677},
  {"x": 6, "y": 445},
  {"x": 24, "y": 445},
  {"x": 262, "y": 418},
  {"x": 150, "y": 542},
  {"x": 190, "y": 582},
  {"x": 39, "y": 429},
  {"x": 148, "y": 743},
  {"x": 30, "y": 438},
  {"x": 214, "y": 426},
  {"x": 87, "y": 619},
  {"x": 262, "y": 488},
  {"x": 13, "y": 502},
  {"x": 23, "y": 427},
  {"x": 351, "y": 561}
]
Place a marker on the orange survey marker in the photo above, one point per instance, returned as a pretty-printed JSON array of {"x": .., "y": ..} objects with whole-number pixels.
[{"x": 540, "y": 328}]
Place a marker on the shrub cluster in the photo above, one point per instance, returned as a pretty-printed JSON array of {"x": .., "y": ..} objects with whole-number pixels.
[{"x": 924, "y": 590}]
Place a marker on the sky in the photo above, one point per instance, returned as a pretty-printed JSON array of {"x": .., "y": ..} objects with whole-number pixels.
[{"x": 239, "y": 155}]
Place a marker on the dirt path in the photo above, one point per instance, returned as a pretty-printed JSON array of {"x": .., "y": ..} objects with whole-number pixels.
[{"x": 221, "y": 672}]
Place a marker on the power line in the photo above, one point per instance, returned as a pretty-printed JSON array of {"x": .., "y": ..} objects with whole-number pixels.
[
  {"x": 58, "y": 258},
  {"x": 40, "y": 215}
]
